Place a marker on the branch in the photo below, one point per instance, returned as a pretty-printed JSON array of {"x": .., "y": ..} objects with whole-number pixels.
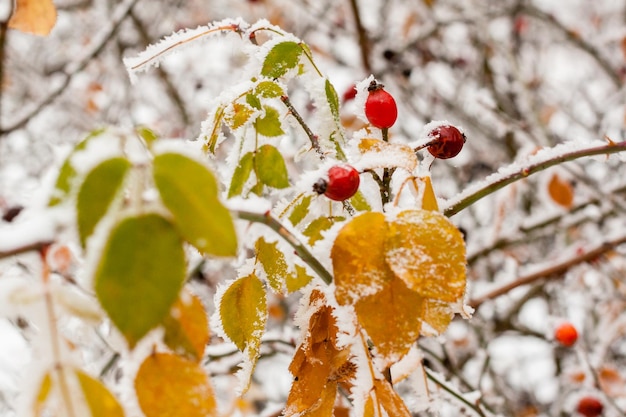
[
  {"x": 364, "y": 43},
  {"x": 551, "y": 272},
  {"x": 315, "y": 142},
  {"x": 30, "y": 247},
  {"x": 301, "y": 250},
  {"x": 516, "y": 171},
  {"x": 73, "y": 68}
]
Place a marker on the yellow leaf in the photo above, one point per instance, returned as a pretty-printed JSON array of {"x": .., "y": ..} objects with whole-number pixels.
[
  {"x": 390, "y": 400},
  {"x": 273, "y": 262},
  {"x": 426, "y": 251},
  {"x": 99, "y": 399},
  {"x": 429, "y": 199},
  {"x": 380, "y": 154},
  {"x": 42, "y": 394},
  {"x": 187, "y": 327},
  {"x": 33, "y": 16},
  {"x": 437, "y": 314},
  {"x": 561, "y": 191},
  {"x": 297, "y": 280},
  {"x": 168, "y": 385},
  {"x": 392, "y": 319},
  {"x": 358, "y": 257}
]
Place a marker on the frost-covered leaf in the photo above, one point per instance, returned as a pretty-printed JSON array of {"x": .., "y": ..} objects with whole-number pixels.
[
  {"x": 187, "y": 327},
  {"x": 99, "y": 399},
  {"x": 67, "y": 173},
  {"x": 169, "y": 385},
  {"x": 273, "y": 262},
  {"x": 241, "y": 114},
  {"x": 426, "y": 251},
  {"x": 269, "y": 89},
  {"x": 34, "y": 16},
  {"x": 358, "y": 257},
  {"x": 241, "y": 175},
  {"x": 100, "y": 187},
  {"x": 333, "y": 99},
  {"x": 243, "y": 313},
  {"x": 561, "y": 191},
  {"x": 214, "y": 135},
  {"x": 314, "y": 229},
  {"x": 270, "y": 167},
  {"x": 381, "y": 154},
  {"x": 140, "y": 273},
  {"x": 300, "y": 210},
  {"x": 297, "y": 280},
  {"x": 281, "y": 58},
  {"x": 319, "y": 364},
  {"x": 189, "y": 190},
  {"x": 253, "y": 101},
  {"x": 269, "y": 125},
  {"x": 389, "y": 399},
  {"x": 392, "y": 318},
  {"x": 359, "y": 202},
  {"x": 437, "y": 314}
]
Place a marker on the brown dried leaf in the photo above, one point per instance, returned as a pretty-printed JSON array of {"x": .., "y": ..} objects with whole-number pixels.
[
  {"x": 561, "y": 191},
  {"x": 34, "y": 16}
]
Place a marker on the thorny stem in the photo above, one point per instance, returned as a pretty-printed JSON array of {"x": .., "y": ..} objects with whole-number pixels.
[
  {"x": 54, "y": 336},
  {"x": 500, "y": 181},
  {"x": 73, "y": 68},
  {"x": 301, "y": 250},
  {"x": 452, "y": 392},
  {"x": 312, "y": 136},
  {"x": 551, "y": 272}
]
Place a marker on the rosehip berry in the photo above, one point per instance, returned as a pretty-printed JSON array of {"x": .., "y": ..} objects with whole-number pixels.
[
  {"x": 566, "y": 334},
  {"x": 380, "y": 107},
  {"x": 349, "y": 94},
  {"x": 590, "y": 407},
  {"x": 342, "y": 183},
  {"x": 447, "y": 142}
]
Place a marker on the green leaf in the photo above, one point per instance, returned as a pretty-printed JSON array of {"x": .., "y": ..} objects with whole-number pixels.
[
  {"x": 140, "y": 273},
  {"x": 300, "y": 210},
  {"x": 314, "y": 230},
  {"x": 269, "y": 125},
  {"x": 333, "y": 99},
  {"x": 243, "y": 311},
  {"x": 298, "y": 280},
  {"x": 273, "y": 262},
  {"x": 189, "y": 191},
  {"x": 99, "y": 399},
  {"x": 359, "y": 202},
  {"x": 241, "y": 175},
  {"x": 97, "y": 193},
  {"x": 270, "y": 167},
  {"x": 147, "y": 134},
  {"x": 269, "y": 89},
  {"x": 253, "y": 101},
  {"x": 67, "y": 173},
  {"x": 214, "y": 136},
  {"x": 281, "y": 58}
]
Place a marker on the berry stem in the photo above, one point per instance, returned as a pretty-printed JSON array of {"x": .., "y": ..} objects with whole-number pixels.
[{"x": 301, "y": 250}]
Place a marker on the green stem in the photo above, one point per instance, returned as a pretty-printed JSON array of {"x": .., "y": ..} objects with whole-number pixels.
[
  {"x": 452, "y": 392},
  {"x": 507, "y": 175},
  {"x": 303, "y": 252}
]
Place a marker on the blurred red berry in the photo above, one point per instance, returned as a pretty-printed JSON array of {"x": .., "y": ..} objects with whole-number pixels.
[
  {"x": 349, "y": 94},
  {"x": 566, "y": 334},
  {"x": 380, "y": 107},
  {"x": 447, "y": 141},
  {"x": 590, "y": 407},
  {"x": 342, "y": 183}
]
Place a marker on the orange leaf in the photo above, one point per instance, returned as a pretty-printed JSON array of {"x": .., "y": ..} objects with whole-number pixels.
[
  {"x": 390, "y": 400},
  {"x": 392, "y": 319},
  {"x": 426, "y": 251},
  {"x": 34, "y": 16},
  {"x": 187, "y": 327},
  {"x": 561, "y": 191},
  {"x": 429, "y": 199},
  {"x": 169, "y": 385}
]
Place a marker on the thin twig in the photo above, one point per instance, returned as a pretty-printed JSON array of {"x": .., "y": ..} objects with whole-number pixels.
[
  {"x": 31, "y": 247},
  {"x": 551, "y": 272},
  {"x": 302, "y": 251},
  {"x": 73, "y": 68},
  {"x": 315, "y": 143},
  {"x": 452, "y": 392},
  {"x": 364, "y": 43},
  {"x": 512, "y": 173}
]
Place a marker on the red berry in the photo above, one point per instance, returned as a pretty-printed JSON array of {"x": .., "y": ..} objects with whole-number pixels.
[
  {"x": 380, "y": 107},
  {"x": 590, "y": 407},
  {"x": 447, "y": 141},
  {"x": 349, "y": 94},
  {"x": 342, "y": 183},
  {"x": 566, "y": 334}
]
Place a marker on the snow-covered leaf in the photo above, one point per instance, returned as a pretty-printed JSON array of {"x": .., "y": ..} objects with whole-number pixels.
[
  {"x": 333, "y": 99},
  {"x": 241, "y": 114},
  {"x": 140, "y": 273},
  {"x": 273, "y": 262},
  {"x": 269, "y": 125},
  {"x": 169, "y": 385},
  {"x": 314, "y": 229},
  {"x": 97, "y": 192},
  {"x": 270, "y": 167},
  {"x": 281, "y": 58},
  {"x": 269, "y": 89},
  {"x": 189, "y": 190},
  {"x": 241, "y": 175},
  {"x": 300, "y": 210},
  {"x": 381, "y": 154}
]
